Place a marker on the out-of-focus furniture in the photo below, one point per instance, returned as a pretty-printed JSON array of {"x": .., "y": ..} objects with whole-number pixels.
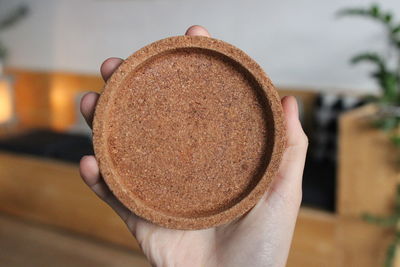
[
  {"x": 50, "y": 192},
  {"x": 367, "y": 182}
]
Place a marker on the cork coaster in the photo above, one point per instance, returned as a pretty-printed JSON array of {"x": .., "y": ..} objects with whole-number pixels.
[{"x": 189, "y": 132}]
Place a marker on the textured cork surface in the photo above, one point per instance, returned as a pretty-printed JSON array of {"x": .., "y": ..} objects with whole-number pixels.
[{"x": 189, "y": 132}]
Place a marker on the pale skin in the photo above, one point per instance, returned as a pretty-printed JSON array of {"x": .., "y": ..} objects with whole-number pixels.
[{"x": 261, "y": 237}]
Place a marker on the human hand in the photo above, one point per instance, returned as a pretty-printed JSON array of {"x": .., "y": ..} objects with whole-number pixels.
[{"x": 261, "y": 237}]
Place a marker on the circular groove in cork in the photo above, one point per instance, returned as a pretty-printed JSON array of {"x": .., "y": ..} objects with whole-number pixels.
[{"x": 188, "y": 132}]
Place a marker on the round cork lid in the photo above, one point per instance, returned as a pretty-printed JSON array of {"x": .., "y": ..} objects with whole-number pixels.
[{"x": 189, "y": 132}]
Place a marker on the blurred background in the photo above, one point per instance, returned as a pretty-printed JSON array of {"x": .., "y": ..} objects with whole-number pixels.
[{"x": 50, "y": 54}]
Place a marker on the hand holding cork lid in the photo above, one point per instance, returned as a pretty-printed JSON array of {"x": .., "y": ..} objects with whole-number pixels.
[{"x": 189, "y": 133}]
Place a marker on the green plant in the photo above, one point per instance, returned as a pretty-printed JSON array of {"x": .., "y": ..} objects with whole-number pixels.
[
  {"x": 386, "y": 75},
  {"x": 389, "y": 221},
  {"x": 12, "y": 18},
  {"x": 388, "y": 117}
]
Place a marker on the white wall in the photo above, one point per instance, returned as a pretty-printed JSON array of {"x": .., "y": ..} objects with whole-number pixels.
[{"x": 298, "y": 42}]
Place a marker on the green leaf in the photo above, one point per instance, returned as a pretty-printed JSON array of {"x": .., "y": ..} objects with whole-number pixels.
[
  {"x": 352, "y": 11},
  {"x": 14, "y": 17},
  {"x": 385, "y": 124},
  {"x": 390, "y": 253},
  {"x": 371, "y": 98},
  {"x": 381, "y": 221},
  {"x": 396, "y": 29},
  {"x": 388, "y": 82},
  {"x": 3, "y": 51},
  {"x": 368, "y": 56},
  {"x": 395, "y": 40},
  {"x": 396, "y": 140},
  {"x": 374, "y": 11},
  {"x": 397, "y": 201},
  {"x": 388, "y": 17}
]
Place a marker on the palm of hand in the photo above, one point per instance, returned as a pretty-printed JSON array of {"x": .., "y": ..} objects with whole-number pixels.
[{"x": 262, "y": 237}]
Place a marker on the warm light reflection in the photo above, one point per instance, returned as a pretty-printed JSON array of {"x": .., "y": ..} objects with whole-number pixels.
[
  {"x": 61, "y": 101},
  {"x": 64, "y": 104},
  {"x": 6, "y": 101}
]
